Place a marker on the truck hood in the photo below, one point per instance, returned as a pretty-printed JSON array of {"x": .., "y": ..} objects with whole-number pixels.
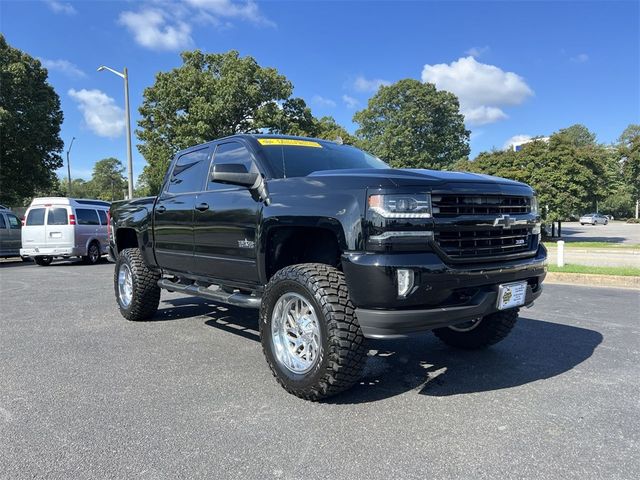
[{"x": 406, "y": 176}]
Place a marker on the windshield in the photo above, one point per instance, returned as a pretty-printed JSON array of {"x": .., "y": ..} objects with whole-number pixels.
[{"x": 299, "y": 161}]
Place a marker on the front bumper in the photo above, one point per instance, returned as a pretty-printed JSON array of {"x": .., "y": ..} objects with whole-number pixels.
[
  {"x": 51, "y": 252},
  {"x": 442, "y": 294}
]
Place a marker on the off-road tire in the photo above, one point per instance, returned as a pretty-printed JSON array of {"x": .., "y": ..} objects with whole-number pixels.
[
  {"x": 146, "y": 292},
  {"x": 491, "y": 330},
  {"x": 43, "y": 261},
  {"x": 343, "y": 353},
  {"x": 91, "y": 258}
]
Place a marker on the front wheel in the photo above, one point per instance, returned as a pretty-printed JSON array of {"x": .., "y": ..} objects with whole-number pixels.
[
  {"x": 310, "y": 336},
  {"x": 480, "y": 332},
  {"x": 136, "y": 286},
  {"x": 43, "y": 261}
]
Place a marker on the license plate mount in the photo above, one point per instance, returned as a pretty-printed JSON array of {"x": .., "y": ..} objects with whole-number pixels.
[{"x": 511, "y": 295}]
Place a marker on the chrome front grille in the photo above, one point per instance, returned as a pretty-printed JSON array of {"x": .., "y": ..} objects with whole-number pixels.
[{"x": 447, "y": 205}]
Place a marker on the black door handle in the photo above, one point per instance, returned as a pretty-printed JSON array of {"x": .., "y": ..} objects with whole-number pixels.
[
  {"x": 161, "y": 209},
  {"x": 203, "y": 207}
]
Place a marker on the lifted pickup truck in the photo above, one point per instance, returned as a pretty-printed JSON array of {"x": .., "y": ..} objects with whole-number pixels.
[{"x": 333, "y": 247}]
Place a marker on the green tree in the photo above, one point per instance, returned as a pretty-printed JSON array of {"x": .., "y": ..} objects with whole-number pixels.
[
  {"x": 412, "y": 124},
  {"x": 108, "y": 181},
  {"x": 629, "y": 152},
  {"x": 208, "y": 97},
  {"x": 569, "y": 175},
  {"x": 30, "y": 119},
  {"x": 80, "y": 188}
]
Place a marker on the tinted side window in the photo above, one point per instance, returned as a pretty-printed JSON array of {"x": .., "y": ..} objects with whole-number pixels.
[
  {"x": 2, "y": 222},
  {"x": 84, "y": 216},
  {"x": 14, "y": 223},
  {"x": 103, "y": 217},
  {"x": 35, "y": 217},
  {"x": 57, "y": 216},
  {"x": 189, "y": 172},
  {"x": 232, "y": 152}
]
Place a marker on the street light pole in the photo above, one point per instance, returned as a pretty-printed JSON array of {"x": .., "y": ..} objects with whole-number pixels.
[
  {"x": 125, "y": 76},
  {"x": 69, "y": 165}
]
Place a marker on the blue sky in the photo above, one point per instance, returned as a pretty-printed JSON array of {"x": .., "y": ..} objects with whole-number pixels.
[{"x": 519, "y": 68}]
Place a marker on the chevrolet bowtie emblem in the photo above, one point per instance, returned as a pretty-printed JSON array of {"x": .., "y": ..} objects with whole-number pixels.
[{"x": 504, "y": 221}]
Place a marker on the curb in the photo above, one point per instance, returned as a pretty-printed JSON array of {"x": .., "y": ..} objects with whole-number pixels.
[{"x": 593, "y": 280}]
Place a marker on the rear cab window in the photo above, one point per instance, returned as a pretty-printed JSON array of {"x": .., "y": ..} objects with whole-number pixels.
[
  {"x": 189, "y": 172},
  {"x": 86, "y": 216},
  {"x": 35, "y": 217}
]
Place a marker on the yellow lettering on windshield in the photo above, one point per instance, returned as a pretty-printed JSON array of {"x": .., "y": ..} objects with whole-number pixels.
[{"x": 289, "y": 142}]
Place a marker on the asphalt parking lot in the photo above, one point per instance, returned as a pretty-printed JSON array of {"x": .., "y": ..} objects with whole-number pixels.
[
  {"x": 85, "y": 394},
  {"x": 615, "y": 232}
]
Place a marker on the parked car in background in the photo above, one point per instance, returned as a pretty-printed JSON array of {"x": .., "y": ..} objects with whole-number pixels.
[
  {"x": 594, "y": 219},
  {"x": 65, "y": 227},
  {"x": 610, "y": 217},
  {"x": 10, "y": 239}
]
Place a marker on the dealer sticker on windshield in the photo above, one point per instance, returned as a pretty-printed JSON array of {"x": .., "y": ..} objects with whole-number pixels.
[
  {"x": 511, "y": 295},
  {"x": 289, "y": 141}
]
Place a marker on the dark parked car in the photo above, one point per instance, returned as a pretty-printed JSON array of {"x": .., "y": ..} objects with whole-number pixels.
[
  {"x": 333, "y": 247},
  {"x": 10, "y": 238}
]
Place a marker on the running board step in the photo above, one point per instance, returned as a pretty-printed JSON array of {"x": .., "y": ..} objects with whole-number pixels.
[{"x": 237, "y": 299}]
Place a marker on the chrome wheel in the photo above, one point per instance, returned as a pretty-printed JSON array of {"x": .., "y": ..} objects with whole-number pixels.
[
  {"x": 466, "y": 326},
  {"x": 295, "y": 333},
  {"x": 125, "y": 285}
]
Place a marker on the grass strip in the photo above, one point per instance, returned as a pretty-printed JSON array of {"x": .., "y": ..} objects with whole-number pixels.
[{"x": 621, "y": 271}]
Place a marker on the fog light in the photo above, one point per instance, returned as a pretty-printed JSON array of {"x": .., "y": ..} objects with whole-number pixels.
[{"x": 405, "y": 281}]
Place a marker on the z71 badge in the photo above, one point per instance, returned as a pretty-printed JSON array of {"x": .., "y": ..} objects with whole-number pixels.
[{"x": 246, "y": 243}]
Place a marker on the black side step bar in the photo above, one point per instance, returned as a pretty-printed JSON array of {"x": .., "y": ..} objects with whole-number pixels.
[{"x": 219, "y": 295}]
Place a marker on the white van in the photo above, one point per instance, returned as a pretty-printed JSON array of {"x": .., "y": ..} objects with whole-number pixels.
[{"x": 65, "y": 227}]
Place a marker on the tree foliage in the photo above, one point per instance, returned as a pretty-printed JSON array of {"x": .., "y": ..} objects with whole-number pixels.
[
  {"x": 629, "y": 152},
  {"x": 214, "y": 95},
  {"x": 30, "y": 119},
  {"x": 571, "y": 173},
  {"x": 412, "y": 124},
  {"x": 107, "y": 182}
]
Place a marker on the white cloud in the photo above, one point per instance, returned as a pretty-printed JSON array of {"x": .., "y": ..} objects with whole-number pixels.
[
  {"x": 580, "y": 58},
  {"x": 482, "y": 115},
  {"x": 477, "y": 51},
  {"x": 516, "y": 139},
  {"x": 152, "y": 29},
  {"x": 481, "y": 88},
  {"x": 227, "y": 9},
  {"x": 61, "y": 7},
  {"x": 362, "y": 84},
  {"x": 322, "y": 101},
  {"x": 101, "y": 114},
  {"x": 350, "y": 102},
  {"x": 63, "y": 66}
]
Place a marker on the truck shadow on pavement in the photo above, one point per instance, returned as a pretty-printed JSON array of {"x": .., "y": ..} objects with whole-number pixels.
[{"x": 535, "y": 350}]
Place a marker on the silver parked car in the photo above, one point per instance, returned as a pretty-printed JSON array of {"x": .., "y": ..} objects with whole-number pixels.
[
  {"x": 10, "y": 227},
  {"x": 594, "y": 219}
]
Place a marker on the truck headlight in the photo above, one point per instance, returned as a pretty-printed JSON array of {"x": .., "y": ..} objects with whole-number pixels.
[
  {"x": 401, "y": 205},
  {"x": 534, "y": 205}
]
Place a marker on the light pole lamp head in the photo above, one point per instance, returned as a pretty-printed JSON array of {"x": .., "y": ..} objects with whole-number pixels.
[{"x": 101, "y": 68}]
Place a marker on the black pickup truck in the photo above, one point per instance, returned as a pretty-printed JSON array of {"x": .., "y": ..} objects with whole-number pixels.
[{"x": 333, "y": 247}]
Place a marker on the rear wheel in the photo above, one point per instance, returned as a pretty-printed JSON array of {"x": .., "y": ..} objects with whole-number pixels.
[
  {"x": 43, "y": 261},
  {"x": 136, "y": 286},
  {"x": 310, "y": 335},
  {"x": 480, "y": 332},
  {"x": 93, "y": 254}
]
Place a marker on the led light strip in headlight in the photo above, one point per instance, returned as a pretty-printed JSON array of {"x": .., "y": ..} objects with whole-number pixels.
[{"x": 401, "y": 205}]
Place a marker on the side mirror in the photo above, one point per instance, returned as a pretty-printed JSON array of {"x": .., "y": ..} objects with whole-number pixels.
[{"x": 235, "y": 174}]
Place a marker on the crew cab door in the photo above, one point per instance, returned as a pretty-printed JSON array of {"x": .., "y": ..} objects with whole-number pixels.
[
  {"x": 173, "y": 214},
  {"x": 226, "y": 219}
]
